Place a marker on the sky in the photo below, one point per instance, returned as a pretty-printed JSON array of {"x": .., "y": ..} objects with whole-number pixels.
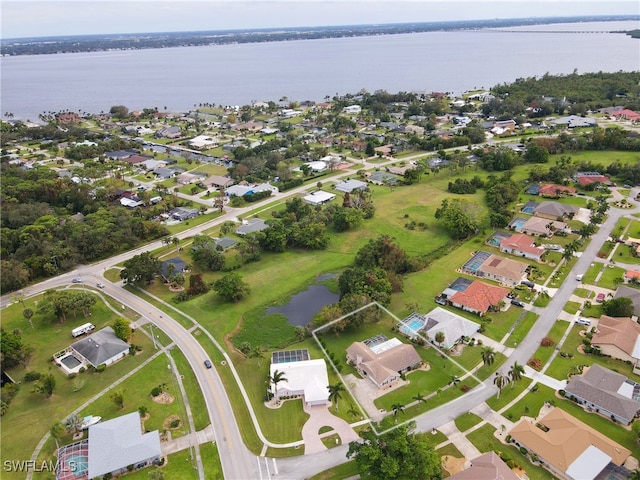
[{"x": 36, "y": 18}]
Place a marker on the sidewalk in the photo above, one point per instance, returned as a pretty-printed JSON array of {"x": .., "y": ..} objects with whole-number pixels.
[
  {"x": 188, "y": 441},
  {"x": 540, "y": 377},
  {"x": 468, "y": 449}
]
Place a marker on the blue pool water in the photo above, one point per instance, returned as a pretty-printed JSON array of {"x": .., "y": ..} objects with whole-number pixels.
[
  {"x": 412, "y": 326},
  {"x": 78, "y": 463},
  {"x": 517, "y": 223}
]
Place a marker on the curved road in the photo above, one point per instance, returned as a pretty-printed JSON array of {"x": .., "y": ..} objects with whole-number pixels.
[{"x": 237, "y": 461}]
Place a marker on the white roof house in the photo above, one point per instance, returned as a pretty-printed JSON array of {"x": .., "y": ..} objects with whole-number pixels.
[
  {"x": 319, "y": 198},
  {"x": 454, "y": 326},
  {"x": 318, "y": 165},
  {"x": 202, "y": 141},
  {"x": 350, "y": 185},
  {"x": 307, "y": 378},
  {"x": 117, "y": 443}
]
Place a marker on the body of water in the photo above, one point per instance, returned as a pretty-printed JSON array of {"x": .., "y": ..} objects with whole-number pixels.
[
  {"x": 304, "y": 305},
  {"x": 179, "y": 78}
]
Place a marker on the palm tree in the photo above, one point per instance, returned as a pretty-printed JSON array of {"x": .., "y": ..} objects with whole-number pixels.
[
  {"x": 276, "y": 378},
  {"x": 419, "y": 397},
  {"x": 335, "y": 392},
  {"x": 353, "y": 411},
  {"x": 439, "y": 337},
  {"x": 73, "y": 423},
  {"x": 56, "y": 431},
  {"x": 488, "y": 355},
  {"x": 515, "y": 373},
  {"x": 500, "y": 381},
  {"x": 397, "y": 408},
  {"x": 27, "y": 313}
]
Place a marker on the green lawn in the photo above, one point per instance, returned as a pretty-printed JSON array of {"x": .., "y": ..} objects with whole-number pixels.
[
  {"x": 521, "y": 330},
  {"x": 556, "y": 332},
  {"x": 194, "y": 394},
  {"x": 626, "y": 254},
  {"x": 508, "y": 394},
  {"x": 484, "y": 440},
  {"x": 467, "y": 420},
  {"x": 342, "y": 471},
  {"x": 531, "y": 404},
  {"x": 583, "y": 293},
  {"x": 571, "y": 307},
  {"x": 31, "y": 414}
]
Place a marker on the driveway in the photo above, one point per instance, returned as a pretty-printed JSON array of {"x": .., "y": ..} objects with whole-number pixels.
[{"x": 319, "y": 416}]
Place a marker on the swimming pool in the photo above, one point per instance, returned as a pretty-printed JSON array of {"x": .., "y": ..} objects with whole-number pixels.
[
  {"x": 517, "y": 223},
  {"x": 412, "y": 326},
  {"x": 78, "y": 463},
  {"x": 70, "y": 361}
]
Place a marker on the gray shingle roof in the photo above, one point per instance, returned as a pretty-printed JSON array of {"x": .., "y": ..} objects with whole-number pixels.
[
  {"x": 600, "y": 386},
  {"x": 253, "y": 225},
  {"x": 101, "y": 347},
  {"x": 117, "y": 443}
]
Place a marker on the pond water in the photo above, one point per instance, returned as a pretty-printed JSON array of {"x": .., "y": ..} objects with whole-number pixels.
[{"x": 304, "y": 305}]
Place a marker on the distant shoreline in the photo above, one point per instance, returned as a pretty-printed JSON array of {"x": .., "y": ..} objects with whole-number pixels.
[{"x": 139, "y": 41}]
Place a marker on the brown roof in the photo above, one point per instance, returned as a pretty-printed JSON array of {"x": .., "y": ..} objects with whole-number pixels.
[
  {"x": 486, "y": 467},
  {"x": 552, "y": 189},
  {"x": 504, "y": 267},
  {"x": 539, "y": 225},
  {"x": 521, "y": 242},
  {"x": 133, "y": 159},
  {"x": 387, "y": 363},
  {"x": 218, "y": 180},
  {"x": 480, "y": 296},
  {"x": 621, "y": 332},
  {"x": 632, "y": 274},
  {"x": 566, "y": 439}
]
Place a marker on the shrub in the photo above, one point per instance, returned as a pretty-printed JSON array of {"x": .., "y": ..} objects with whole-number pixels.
[
  {"x": 175, "y": 423},
  {"x": 155, "y": 391},
  {"x": 101, "y": 368},
  {"x": 71, "y": 376},
  {"x": 535, "y": 363},
  {"x": 32, "y": 376},
  {"x": 547, "y": 342},
  {"x": 82, "y": 370},
  {"x": 507, "y": 439},
  {"x": 523, "y": 450}
]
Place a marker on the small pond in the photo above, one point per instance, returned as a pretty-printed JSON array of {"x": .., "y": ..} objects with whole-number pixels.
[{"x": 304, "y": 305}]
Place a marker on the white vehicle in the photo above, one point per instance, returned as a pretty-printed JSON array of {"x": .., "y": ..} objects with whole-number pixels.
[
  {"x": 583, "y": 321},
  {"x": 579, "y": 277},
  {"x": 82, "y": 329}
]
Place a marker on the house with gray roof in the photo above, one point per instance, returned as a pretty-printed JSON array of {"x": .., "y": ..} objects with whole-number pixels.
[
  {"x": 349, "y": 186},
  {"x": 164, "y": 173},
  {"x": 251, "y": 226},
  {"x": 103, "y": 347},
  {"x": 555, "y": 210},
  {"x": 225, "y": 243},
  {"x": 633, "y": 294},
  {"x": 607, "y": 392},
  {"x": 383, "y": 178},
  {"x": 115, "y": 444}
]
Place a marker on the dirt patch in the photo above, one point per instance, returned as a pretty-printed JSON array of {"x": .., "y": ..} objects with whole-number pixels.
[
  {"x": 173, "y": 288},
  {"x": 581, "y": 348},
  {"x": 519, "y": 472},
  {"x": 171, "y": 418},
  {"x": 164, "y": 398},
  {"x": 452, "y": 465}
]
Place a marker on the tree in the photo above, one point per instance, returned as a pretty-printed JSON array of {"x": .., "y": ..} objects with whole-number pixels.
[
  {"x": 275, "y": 379},
  {"x": 122, "y": 329},
  {"x": 618, "y": 307},
  {"x": 12, "y": 349},
  {"x": 231, "y": 287},
  {"x": 516, "y": 373},
  {"x": 156, "y": 474},
  {"x": 335, "y": 393},
  {"x": 218, "y": 203},
  {"x": 419, "y": 397},
  {"x": 27, "y": 313},
  {"x": 73, "y": 423},
  {"x": 500, "y": 381},
  {"x": 396, "y": 454},
  {"x": 397, "y": 408},
  {"x": 205, "y": 254},
  {"x": 196, "y": 285},
  {"x": 461, "y": 218},
  {"x": 439, "y": 337},
  {"x": 56, "y": 431},
  {"x": 117, "y": 397},
  {"x": 353, "y": 411},
  {"x": 140, "y": 269},
  {"x": 488, "y": 355},
  {"x": 46, "y": 385}
]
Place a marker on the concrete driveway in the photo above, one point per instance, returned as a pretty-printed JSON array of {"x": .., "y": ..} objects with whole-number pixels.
[{"x": 319, "y": 416}]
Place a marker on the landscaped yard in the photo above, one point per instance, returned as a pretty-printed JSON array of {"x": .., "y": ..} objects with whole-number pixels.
[
  {"x": 521, "y": 329},
  {"x": 555, "y": 334},
  {"x": 572, "y": 307},
  {"x": 467, "y": 420}
]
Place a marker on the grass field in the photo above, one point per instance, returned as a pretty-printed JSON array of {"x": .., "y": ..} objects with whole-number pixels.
[
  {"x": 531, "y": 404},
  {"x": 467, "y": 420},
  {"x": 521, "y": 330}
]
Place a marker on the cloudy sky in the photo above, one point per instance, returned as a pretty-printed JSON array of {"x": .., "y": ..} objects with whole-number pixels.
[{"x": 29, "y": 18}]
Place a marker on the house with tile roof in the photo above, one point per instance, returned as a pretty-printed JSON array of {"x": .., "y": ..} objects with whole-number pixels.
[
  {"x": 631, "y": 275},
  {"x": 587, "y": 178},
  {"x": 479, "y": 297},
  {"x": 218, "y": 181},
  {"x": 607, "y": 392},
  {"x": 539, "y": 226},
  {"x": 571, "y": 449},
  {"x": 552, "y": 190},
  {"x": 115, "y": 444},
  {"x": 503, "y": 270},
  {"x": 486, "y": 467},
  {"x": 521, "y": 245},
  {"x": 383, "y": 363},
  {"x": 618, "y": 337}
]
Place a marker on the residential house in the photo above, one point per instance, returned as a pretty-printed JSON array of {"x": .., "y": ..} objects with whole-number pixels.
[
  {"x": 478, "y": 297},
  {"x": 552, "y": 190},
  {"x": 251, "y": 226},
  {"x": 607, "y": 392},
  {"x": 383, "y": 178},
  {"x": 486, "y": 467},
  {"x": 169, "y": 132},
  {"x": 631, "y": 275},
  {"x": 116, "y": 444},
  {"x": 204, "y": 141},
  {"x": 503, "y": 270},
  {"x": 101, "y": 348},
  {"x": 218, "y": 181},
  {"x": 539, "y": 226},
  {"x": 587, "y": 178},
  {"x": 318, "y": 198},
  {"x": 164, "y": 173},
  {"x": 571, "y": 449},
  {"x": 383, "y": 363},
  {"x": 166, "y": 270},
  {"x": 303, "y": 378},
  {"x": 119, "y": 154},
  {"x": 183, "y": 213},
  {"x": 402, "y": 170},
  {"x": 349, "y": 186},
  {"x": 618, "y": 337},
  {"x": 573, "y": 121},
  {"x": 152, "y": 164},
  {"x": 136, "y": 159},
  {"x": 633, "y": 294},
  {"x": 626, "y": 114},
  {"x": 130, "y": 200},
  {"x": 521, "y": 245},
  {"x": 188, "y": 178},
  {"x": 554, "y": 210},
  {"x": 352, "y": 109},
  {"x": 454, "y": 327}
]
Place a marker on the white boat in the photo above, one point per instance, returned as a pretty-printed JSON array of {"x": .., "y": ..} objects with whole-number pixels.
[{"x": 89, "y": 420}]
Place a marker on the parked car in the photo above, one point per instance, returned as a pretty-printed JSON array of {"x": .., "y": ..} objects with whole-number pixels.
[
  {"x": 207, "y": 363},
  {"x": 600, "y": 298},
  {"x": 583, "y": 321},
  {"x": 77, "y": 280},
  {"x": 517, "y": 303}
]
